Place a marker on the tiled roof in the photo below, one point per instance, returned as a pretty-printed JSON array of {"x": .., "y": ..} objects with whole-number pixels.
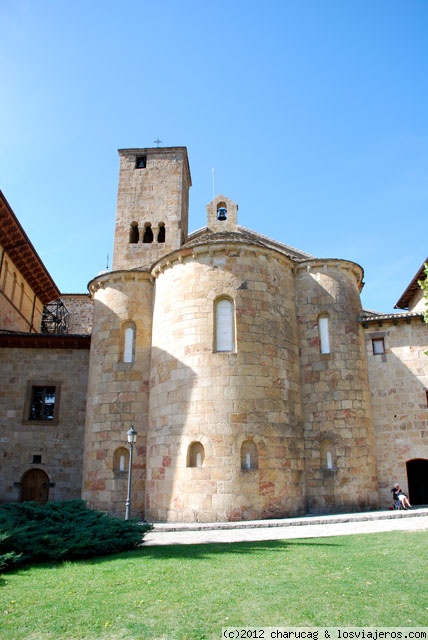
[
  {"x": 370, "y": 317},
  {"x": 403, "y": 302},
  {"x": 243, "y": 236},
  {"x": 18, "y": 247}
]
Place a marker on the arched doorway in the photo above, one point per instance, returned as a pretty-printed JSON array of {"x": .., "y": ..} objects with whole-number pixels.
[
  {"x": 35, "y": 486},
  {"x": 417, "y": 480}
]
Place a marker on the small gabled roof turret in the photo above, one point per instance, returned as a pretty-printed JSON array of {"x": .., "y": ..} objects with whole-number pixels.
[{"x": 222, "y": 214}]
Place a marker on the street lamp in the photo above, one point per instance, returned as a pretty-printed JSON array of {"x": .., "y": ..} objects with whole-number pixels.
[{"x": 132, "y": 437}]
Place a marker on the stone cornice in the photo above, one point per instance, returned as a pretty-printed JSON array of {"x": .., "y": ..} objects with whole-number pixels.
[
  {"x": 17, "y": 340},
  {"x": 212, "y": 249},
  {"x": 104, "y": 279},
  {"x": 318, "y": 265}
]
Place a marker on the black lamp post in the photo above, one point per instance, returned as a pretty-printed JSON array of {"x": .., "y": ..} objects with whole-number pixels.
[{"x": 132, "y": 437}]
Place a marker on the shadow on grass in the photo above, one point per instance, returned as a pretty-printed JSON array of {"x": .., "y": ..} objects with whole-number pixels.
[
  {"x": 208, "y": 550},
  {"x": 180, "y": 551},
  {"x": 201, "y": 551}
]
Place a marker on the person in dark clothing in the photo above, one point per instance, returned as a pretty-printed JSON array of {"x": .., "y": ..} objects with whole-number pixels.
[{"x": 399, "y": 496}]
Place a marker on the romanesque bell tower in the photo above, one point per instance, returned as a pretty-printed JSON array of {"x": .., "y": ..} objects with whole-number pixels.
[
  {"x": 151, "y": 222},
  {"x": 152, "y": 205}
]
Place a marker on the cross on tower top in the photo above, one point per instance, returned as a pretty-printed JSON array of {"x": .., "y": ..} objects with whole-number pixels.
[{"x": 157, "y": 142}]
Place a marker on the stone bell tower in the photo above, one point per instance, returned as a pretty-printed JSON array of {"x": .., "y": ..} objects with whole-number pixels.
[
  {"x": 152, "y": 212},
  {"x": 152, "y": 205}
]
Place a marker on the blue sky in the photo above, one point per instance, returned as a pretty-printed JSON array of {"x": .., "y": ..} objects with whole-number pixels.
[{"x": 313, "y": 114}]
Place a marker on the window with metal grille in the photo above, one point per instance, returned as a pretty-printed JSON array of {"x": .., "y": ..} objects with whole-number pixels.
[
  {"x": 42, "y": 405},
  {"x": 42, "y": 402}
]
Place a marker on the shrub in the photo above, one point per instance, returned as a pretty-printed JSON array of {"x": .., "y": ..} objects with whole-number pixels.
[{"x": 57, "y": 531}]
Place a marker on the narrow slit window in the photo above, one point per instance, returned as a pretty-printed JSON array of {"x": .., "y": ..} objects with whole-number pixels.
[
  {"x": 323, "y": 329},
  {"x": 224, "y": 325},
  {"x": 328, "y": 455},
  {"x": 249, "y": 455},
  {"x": 128, "y": 343},
  {"x": 120, "y": 461},
  {"x": 195, "y": 455}
]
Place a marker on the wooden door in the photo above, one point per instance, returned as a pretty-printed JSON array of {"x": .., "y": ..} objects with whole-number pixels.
[{"x": 35, "y": 486}]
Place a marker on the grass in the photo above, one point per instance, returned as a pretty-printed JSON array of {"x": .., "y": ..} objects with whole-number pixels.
[{"x": 190, "y": 592}]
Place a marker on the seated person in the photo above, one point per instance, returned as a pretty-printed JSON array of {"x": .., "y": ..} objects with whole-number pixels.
[{"x": 398, "y": 494}]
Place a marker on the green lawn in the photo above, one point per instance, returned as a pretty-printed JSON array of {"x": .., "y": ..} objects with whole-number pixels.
[{"x": 190, "y": 592}]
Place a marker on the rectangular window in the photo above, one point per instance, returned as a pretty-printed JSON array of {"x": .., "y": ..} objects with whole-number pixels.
[
  {"x": 378, "y": 345},
  {"x": 42, "y": 402}
]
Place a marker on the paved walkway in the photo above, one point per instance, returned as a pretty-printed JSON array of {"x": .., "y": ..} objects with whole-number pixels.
[{"x": 304, "y": 527}]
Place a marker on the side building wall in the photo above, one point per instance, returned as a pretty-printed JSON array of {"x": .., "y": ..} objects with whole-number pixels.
[
  {"x": 399, "y": 384},
  {"x": 54, "y": 447},
  {"x": 20, "y": 308},
  {"x": 80, "y": 309}
]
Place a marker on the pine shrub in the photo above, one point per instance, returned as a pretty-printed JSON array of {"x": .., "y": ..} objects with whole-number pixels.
[{"x": 57, "y": 531}]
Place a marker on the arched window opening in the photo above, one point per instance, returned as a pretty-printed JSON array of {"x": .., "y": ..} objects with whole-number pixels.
[
  {"x": 224, "y": 325},
  {"x": 161, "y": 233},
  {"x": 328, "y": 455},
  {"x": 128, "y": 341},
  {"x": 195, "y": 455},
  {"x": 6, "y": 269},
  {"x": 221, "y": 211},
  {"x": 120, "y": 460},
  {"x": 148, "y": 234},
  {"x": 14, "y": 282},
  {"x": 249, "y": 455},
  {"x": 21, "y": 296},
  {"x": 323, "y": 330},
  {"x": 134, "y": 233}
]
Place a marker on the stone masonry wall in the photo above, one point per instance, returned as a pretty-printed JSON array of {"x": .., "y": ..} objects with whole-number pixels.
[
  {"x": 339, "y": 438},
  {"x": 20, "y": 309},
  {"x": 80, "y": 309},
  {"x": 60, "y": 446},
  {"x": 118, "y": 391},
  {"x": 224, "y": 399},
  {"x": 156, "y": 194},
  {"x": 399, "y": 384}
]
